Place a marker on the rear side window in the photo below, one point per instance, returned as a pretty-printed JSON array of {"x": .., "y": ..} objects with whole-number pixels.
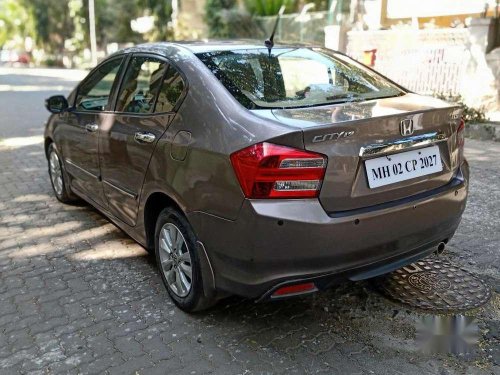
[
  {"x": 141, "y": 85},
  {"x": 171, "y": 91},
  {"x": 95, "y": 91},
  {"x": 150, "y": 85}
]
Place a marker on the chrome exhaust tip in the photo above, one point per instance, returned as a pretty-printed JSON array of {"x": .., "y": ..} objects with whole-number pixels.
[{"x": 440, "y": 248}]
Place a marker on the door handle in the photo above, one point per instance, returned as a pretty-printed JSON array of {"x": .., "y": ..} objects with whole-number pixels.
[
  {"x": 143, "y": 137},
  {"x": 91, "y": 128}
]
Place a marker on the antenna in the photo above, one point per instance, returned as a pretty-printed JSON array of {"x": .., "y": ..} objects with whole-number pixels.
[{"x": 270, "y": 42}]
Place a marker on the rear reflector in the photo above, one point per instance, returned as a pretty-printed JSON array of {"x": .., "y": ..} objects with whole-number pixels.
[
  {"x": 266, "y": 170},
  {"x": 294, "y": 290}
]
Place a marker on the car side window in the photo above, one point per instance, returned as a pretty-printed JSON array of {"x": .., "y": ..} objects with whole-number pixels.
[
  {"x": 170, "y": 92},
  {"x": 94, "y": 93},
  {"x": 141, "y": 84}
]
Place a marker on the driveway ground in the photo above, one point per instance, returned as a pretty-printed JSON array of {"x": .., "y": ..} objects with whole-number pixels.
[{"x": 79, "y": 296}]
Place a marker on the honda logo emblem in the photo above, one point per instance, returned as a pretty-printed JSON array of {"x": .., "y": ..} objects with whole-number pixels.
[{"x": 406, "y": 126}]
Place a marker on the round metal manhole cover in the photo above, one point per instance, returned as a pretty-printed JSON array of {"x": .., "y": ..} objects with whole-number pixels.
[{"x": 432, "y": 284}]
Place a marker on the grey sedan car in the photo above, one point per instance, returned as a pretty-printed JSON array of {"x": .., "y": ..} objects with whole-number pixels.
[{"x": 265, "y": 173}]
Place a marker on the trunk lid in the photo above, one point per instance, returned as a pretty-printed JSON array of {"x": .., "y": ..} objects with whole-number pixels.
[{"x": 351, "y": 133}]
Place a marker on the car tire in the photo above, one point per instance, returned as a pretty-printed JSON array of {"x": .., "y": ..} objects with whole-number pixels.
[
  {"x": 58, "y": 177},
  {"x": 178, "y": 261}
]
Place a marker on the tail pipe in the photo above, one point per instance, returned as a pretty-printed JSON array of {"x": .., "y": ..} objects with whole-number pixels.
[{"x": 440, "y": 248}]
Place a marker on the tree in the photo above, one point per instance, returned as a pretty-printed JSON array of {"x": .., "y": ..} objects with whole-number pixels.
[
  {"x": 59, "y": 26},
  {"x": 226, "y": 20},
  {"x": 215, "y": 15},
  {"x": 113, "y": 21},
  {"x": 15, "y": 21},
  {"x": 161, "y": 10},
  {"x": 270, "y": 7}
]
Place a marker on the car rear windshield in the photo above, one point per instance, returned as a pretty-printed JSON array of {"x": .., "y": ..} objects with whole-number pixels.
[{"x": 295, "y": 77}]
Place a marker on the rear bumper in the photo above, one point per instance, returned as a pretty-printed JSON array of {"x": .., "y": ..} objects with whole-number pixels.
[{"x": 275, "y": 243}]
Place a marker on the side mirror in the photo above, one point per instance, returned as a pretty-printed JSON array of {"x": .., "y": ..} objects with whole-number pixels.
[{"x": 56, "y": 103}]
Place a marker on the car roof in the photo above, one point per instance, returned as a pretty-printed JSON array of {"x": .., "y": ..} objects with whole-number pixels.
[{"x": 202, "y": 46}]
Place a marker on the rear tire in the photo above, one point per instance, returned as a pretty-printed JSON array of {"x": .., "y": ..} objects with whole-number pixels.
[
  {"x": 178, "y": 261},
  {"x": 58, "y": 177}
]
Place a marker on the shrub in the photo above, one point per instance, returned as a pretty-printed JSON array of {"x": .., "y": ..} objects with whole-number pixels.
[
  {"x": 270, "y": 7},
  {"x": 470, "y": 114},
  {"x": 216, "y": 19}
]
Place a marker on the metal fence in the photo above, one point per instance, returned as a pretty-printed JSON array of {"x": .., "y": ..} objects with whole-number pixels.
[{"x": 425, "y": 61}]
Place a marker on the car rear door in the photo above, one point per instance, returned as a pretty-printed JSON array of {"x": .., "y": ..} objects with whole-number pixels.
[
  {"x": 146, "y": 102},
  {"x": 78, "y": 134}
]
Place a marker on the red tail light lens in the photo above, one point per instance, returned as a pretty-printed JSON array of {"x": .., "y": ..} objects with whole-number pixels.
[
  {"x": 461, "y": 140},
  {"x": 266, "y": 170}
]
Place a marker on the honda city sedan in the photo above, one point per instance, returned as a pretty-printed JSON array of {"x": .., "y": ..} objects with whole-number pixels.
[{"x": 265, "y": 172}]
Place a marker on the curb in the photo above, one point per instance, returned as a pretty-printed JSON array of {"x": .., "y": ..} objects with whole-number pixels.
[{"x": 486, "y": 131}]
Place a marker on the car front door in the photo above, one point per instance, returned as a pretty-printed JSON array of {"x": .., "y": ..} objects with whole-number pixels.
[
  {"x": 80, "y": 141},
  {"x": 145, "y": 106}
]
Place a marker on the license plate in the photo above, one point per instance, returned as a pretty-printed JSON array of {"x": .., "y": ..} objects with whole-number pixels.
[{"x": 390, "y": 169}]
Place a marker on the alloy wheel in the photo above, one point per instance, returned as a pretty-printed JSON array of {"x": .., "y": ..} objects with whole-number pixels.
[
  {"x": 56, "y": 173},
  {"x": 175, "y": 260}
]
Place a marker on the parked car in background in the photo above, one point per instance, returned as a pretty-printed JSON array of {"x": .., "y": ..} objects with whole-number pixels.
[
  {"x": 261, "y": 172},
  {"x": 12, "y": 57}
]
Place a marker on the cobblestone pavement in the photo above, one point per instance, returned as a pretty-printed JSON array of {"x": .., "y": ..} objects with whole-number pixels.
[{"x": 78, "y": 296}]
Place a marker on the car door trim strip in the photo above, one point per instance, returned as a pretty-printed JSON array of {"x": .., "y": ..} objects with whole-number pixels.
[
  {"x": 70, "y": 162},
  {"x": 121, "y": 190}
]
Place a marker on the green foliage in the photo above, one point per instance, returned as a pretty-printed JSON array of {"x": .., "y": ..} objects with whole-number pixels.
[
  {"x": 321, "y": 5},
  {"x": 77, "y": 42},
  {"x": 162, "y": 11},
  {"x": 113, "y": 21},
  {"x": 53, "y": 24},
  {"x": 61, "y": 26},
  {"x": 470, "y": 114},
  {"x": 474, "y": 115},
  {"x": 270, "y": 7},
  {"x": 216, "y": 17},
  {"x": 225, "y": 20},
  {"x": 15, "y": 20}
]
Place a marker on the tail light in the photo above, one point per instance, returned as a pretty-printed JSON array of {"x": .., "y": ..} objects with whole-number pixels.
[
  {"x": 461, "y": 141},
  {"x": 266, "y": 170}
]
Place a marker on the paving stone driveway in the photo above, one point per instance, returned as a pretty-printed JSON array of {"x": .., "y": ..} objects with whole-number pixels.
[{"x": 78, "y": 296}]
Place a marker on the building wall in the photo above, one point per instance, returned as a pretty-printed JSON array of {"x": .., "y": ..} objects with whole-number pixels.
[{"x": 427, "y": 13}]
